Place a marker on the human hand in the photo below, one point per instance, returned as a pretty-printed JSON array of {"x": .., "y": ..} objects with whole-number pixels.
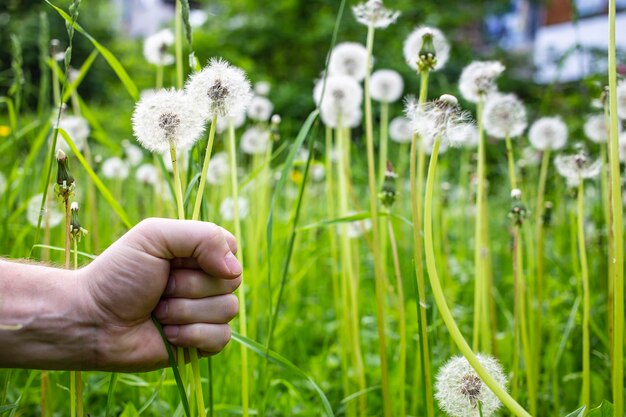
[{"x": 183, "y": 272}]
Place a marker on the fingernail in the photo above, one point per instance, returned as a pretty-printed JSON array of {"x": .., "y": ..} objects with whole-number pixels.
[
  {"x": 160, "y": 312},
  {"x": 233, "y": 264},
  {"x": 171, "y": 331},
  {"x": 171, "y": 283}
]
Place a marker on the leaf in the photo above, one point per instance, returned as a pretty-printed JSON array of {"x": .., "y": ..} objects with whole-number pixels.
[
  {"x": 605, "y": 409},
  {"x": 110, "y": 394},
  {"x": 11, "y": 111},
  {"x": 5, "y": 408},
  {"x": 129, "y": 411},
  {"x": 110, "y": 58},
  {"x": 82, "y": 72},
  {"x": 577, "y": 413},
  {"x": 285, "y": 364},
  {"x": 115, "y": 205},
  {"x": 59, "y": 249},
  {"x": 339, "y": 220}
]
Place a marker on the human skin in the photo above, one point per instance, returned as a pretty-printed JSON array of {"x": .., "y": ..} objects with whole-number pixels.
[{"x": 99, "y": 317}]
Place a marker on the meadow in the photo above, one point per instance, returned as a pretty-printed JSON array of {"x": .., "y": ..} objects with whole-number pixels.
[{"x": 421, "y": 245}]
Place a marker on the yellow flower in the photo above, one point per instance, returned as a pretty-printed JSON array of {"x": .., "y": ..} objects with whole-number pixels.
[{"x": 4, "y": 131}]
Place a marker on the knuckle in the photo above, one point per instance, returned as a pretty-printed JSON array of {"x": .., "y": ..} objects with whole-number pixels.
[{"x": 231, "y": 306}]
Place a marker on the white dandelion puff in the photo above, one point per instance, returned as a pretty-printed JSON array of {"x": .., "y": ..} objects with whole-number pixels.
[
  {"x": 437, "y": 119},
  {"x": 220, "y": 89},
  {"x": 343, "y": 93},
  {"x": 548, "y": 133},
  {"x": 227, "y": 208},
  {"x": 78, "y": 130},
  {"x": 237, "y": 120},
  {"x": 147, "y": 174},
  {"x": 52, "y": 215},
  {"x": 155, "y": 48},
  {"x": 596, "y": 128},
  {"x": 400, "y": 130},
  {"x": 182, "y": 162},
  {"x": 348, "y": 58},
  {"x": 414, "y": 45},
  {"x": 255, "y": 140},
  {"x": 460, "y": 391},
  {"x": 621, "y": 100},
  {"x": 373, "y": 12},
  {"x": 504, "y": 116},
  {"x": 262, "y": 88},
  {"x": 115, "y": 168},
  {"x": 260, "y": 109},
  {"x": 219, "y": 168},
  {"x": 134, "y": 154},
  {"x": 622, "y": 147},
  {"x": 386, "y": 86},
  {"x": 318, "y": 172},
  {"x": 331, "y": 117},
  {"x": 356, "y": 228},
  {"x": 167, "y": 115},
  {"x": 465, "y": 135},
  {"x": 577, "y": 166},
  {"x": 479, "y": 79}
]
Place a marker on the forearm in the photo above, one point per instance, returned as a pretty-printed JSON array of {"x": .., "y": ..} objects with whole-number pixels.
[{"x": 43, "y": 320}]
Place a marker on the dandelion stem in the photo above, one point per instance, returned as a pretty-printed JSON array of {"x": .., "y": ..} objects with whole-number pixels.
[
  {"x": 617, "y": 227},
  {"x": 195, "y": 367},
  {"x": 378, "y": 268},
  {"x": 178, "y": 28},
  {"x": 582, "y": 253},
  {"x": 384, "y": 139},
  {"x": 440, "y": 300},
  {"x": 205, "y": 168},
  {"x": 511, "y": 162}
]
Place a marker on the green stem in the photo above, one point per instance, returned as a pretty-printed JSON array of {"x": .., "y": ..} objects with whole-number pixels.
[
  {"x": 159, "y": 77},
  {"x": 378, "y": 268},
  {"x": 440, "y": 300},
  {"x": 178, "y": 27},
  {"x": 384, "y": 141},
  {"x": 618, "y": 227},
  {"x": 197, "y": 382},
  {"x": 479, "y": 256},
  {"x": 582, "y": 253},
  {"x": 511, "y": 162},
  {"x": 205, "y": 168},
  {"x": 243, "y": 327}
]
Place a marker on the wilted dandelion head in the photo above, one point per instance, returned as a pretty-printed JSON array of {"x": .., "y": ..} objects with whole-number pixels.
[
  {"x": 78, "y": 130},
  {"x": 219, "y": 168},
  {"x": 596, "y": 128},
  {"x": 504, "y": 116},
  {"x": 255, "y": 140},
  {"x": 548, "y": 133},
  {"x": 373, "y": 12},
  {"x": 260, "y": 109},
  {"x": 220, "y": 89},
  {"x": 348, "y": 58},
  {"x": 147, "y": 174},
  {"x": 400, "y": 130},
  {"x": 459, "y": 390},
  {"x": 115, "y": 168},
  {"x": 437, "y": 119},
  {"x": 479, "y": 79},
  {"x": 577, "y": 166},
  {"x": 227, "y": 208},
  {"x": 52, "y": 215},
  {"x": 426, "y": 48},
  {"x": 155, "y": 47},
  {"x": 342, "y": 93},
  {"x": 166, "y": 116},
  {"x": 621, "y": 100},
  {"x": 386, "y": 86}
]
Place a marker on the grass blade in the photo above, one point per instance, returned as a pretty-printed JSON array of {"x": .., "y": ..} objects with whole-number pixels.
[{"x": 110, "y": 392}]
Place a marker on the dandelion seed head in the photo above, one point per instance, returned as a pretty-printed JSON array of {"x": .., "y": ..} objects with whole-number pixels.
[
  {"x": 52, "y": 216},
  {"x": 414, "y": 45},
  {"x": 441, "y": 118},
  {"x": 621, "y": 100},
  {"x": 237, "y": 120},
  {"x": 577, "y": 166},
  {"x": 115, "y": 168},
  {"x": 516, "y": 193},
  {"x": 167, "y": 115},
  {"x": 260, "y": 109},
  {"x": 218, "y": 169},
  {"x": 348, "y": 58},
  {"x": 331, "y": 117},
  {"x": 220, "y": 89},
  {"x": 262, "y": 88},
  {"x": 343, "y": 94},
  {"x": 596, "y": 128},
  {"x": 478, "y": 79},
  {"x": 255, "y": 140},
  {"x": 465, "y": 135},
  {"x": 227, "y": 208},
  {"x": 400, "y": 130},
  {"x": 134, "y": 154},
  {"x": 548, "y": 133},
  {"x": 504, "y": 116},
  {"x": 78, "y": 130},
  {"x": 155, "y": 48},
  {"x": 386, "y": 86},
  {"x": 459, "y": 389},
  {"x": 147, "y": 174},
  {"x": 373, "y": 12}
]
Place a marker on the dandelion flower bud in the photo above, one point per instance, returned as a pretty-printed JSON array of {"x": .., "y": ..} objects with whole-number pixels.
[
  {"x": 388, "y": 193},
  {"x": 51, "y": 214},
  {"x": 147, "y": 174},
  {"x": 255, "y": 141},
  {"x": 504, "y": 116},
  {"x": 260, "y": 109},
  {"x": 220, "y": 89},
  {"x": 76, "y": 230},
  {"x": 155, "y": 48},
  {"x": 548, "y": 133},
  {"x": 227, "y": 208},
  {"x": 65, "y": 182},
  {"x": 426, "y": 48},
  {"x": 115, "y": 169},
  {"x": 460, "y": 391},
  {"x": 596, "y": 128},
  {"x": 77, "y": 129},
  {"x": 400, "y": 130},
  {"x": 166, "y": 116},
  {"x": 373, "y": 12},
  {"x": 386, "y": 86},
  {"x": 577, "y": 166},
  {"x": 479, "y": 79},
  {"x": 348, "y": 58},
  {"x": 621, "y": 100}
]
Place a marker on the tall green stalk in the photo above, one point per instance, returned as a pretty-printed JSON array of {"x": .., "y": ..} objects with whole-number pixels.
[
  {"x": 205, "y": 169},
  {"x": 617, "y": 227},
  {"x": 378, "y": 267},
  {"x": 582, "y": 254},
  {"x": 440, "y": 300},
  {"x": 178, "y": 29}
]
